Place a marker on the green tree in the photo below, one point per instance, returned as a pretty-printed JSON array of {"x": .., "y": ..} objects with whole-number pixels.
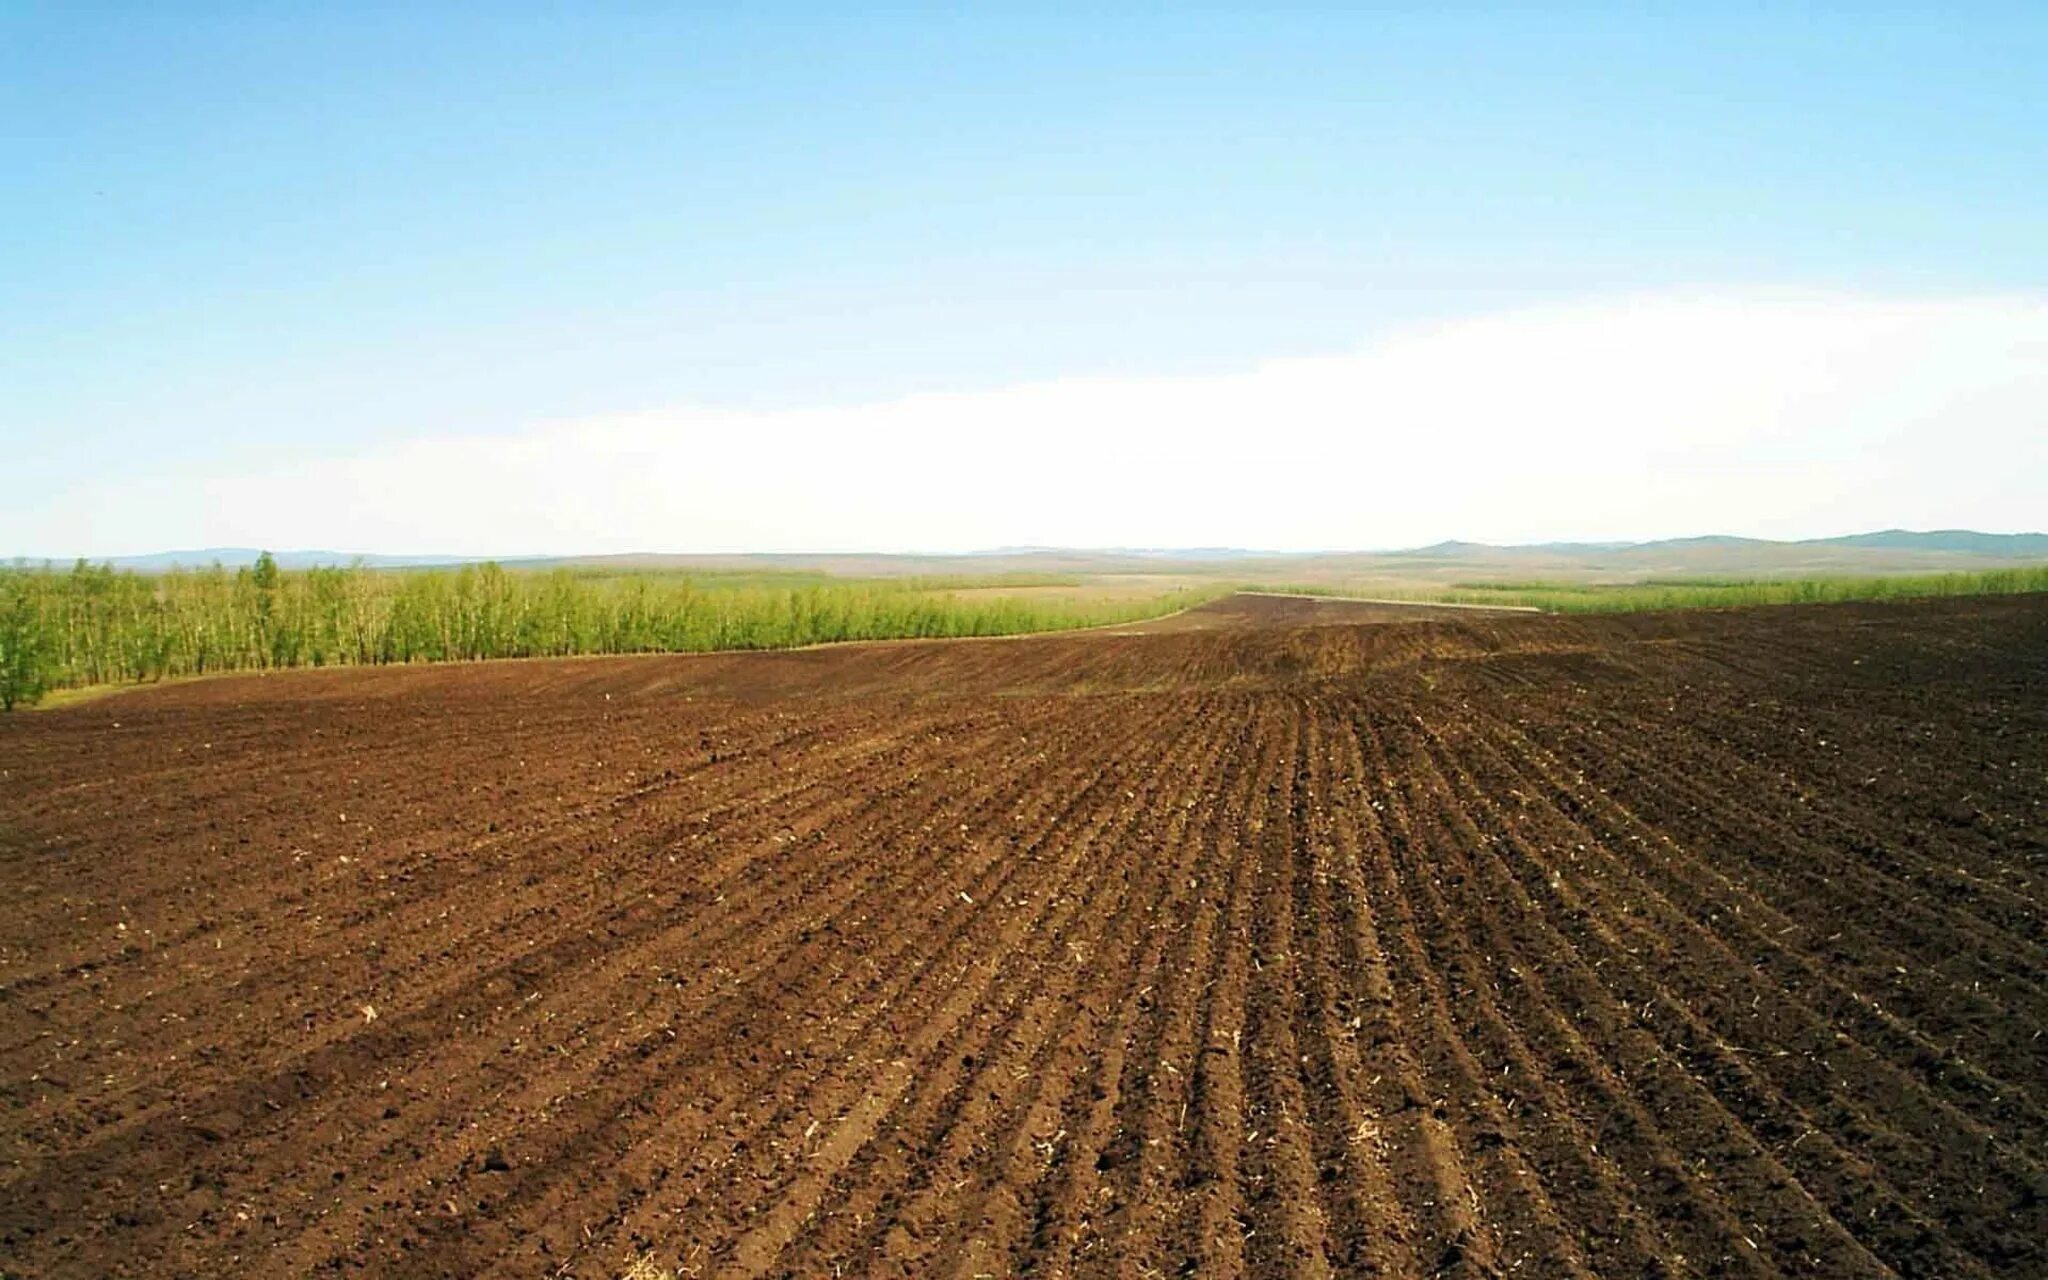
[
  {"x": 264, "y": 578},
  {"x": 24, "y": 649}
]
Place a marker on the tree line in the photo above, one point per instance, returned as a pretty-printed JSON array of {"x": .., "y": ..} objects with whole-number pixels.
[{"x": 94, "y": 624}]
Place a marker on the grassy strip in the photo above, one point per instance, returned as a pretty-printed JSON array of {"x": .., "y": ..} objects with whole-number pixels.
[
  {"x": 1698, "y": 593},
  {"x": 92, "y": 625}
]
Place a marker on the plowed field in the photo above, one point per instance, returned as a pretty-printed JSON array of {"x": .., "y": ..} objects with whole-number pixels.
[{"x": 1667, "y": 945}]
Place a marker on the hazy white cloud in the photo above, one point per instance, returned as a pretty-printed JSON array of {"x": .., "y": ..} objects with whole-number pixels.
[{"x": 1767, "y": 413}]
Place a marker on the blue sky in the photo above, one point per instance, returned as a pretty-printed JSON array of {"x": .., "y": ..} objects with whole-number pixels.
[{"x": 269, "y": 240}]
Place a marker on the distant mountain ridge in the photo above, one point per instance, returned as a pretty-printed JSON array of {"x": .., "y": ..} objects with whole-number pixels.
[
  {"x": 1983, "y": 544},
  {"x": 237, "y": 557},
  {"x": 1964, "y": 541},
  {"x": 1929, "y": 547}
]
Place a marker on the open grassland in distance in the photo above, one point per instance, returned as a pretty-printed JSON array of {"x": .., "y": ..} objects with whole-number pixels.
[
  {"x": 1701, "y": 593},
  {"x": 1701, "y": 943}
]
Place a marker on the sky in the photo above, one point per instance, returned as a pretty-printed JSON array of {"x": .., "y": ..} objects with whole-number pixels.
[{"x": 518, "y": 279}]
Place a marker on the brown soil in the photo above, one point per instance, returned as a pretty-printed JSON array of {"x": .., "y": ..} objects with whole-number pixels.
[{"x": 1688, "y": 944}]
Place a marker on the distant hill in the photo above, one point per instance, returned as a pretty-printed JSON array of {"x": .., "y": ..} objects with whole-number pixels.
[
  {"x": 1443, "y": 563},
  {"x": 1149, "y": 553},
  {"x": 1446, "y": 550},
  {"x": 1580, "y": 548},
  {"x": 1711, "y": 540},
  {"x": 1965, "y": 540},
  {"x": 237, "y": 557}
]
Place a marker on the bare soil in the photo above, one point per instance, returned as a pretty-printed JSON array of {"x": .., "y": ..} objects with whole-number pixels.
[{"x": 1666, "y": 945}]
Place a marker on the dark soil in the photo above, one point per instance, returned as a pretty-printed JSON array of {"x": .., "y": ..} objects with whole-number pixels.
[{"x": 1700, "y": 943}]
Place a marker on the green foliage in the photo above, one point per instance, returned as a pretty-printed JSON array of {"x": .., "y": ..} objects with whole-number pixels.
[
  {"x": 24, "y": 649},
  {"x": 1697, "y": 593},
  {"x": 93, "y": 625}
]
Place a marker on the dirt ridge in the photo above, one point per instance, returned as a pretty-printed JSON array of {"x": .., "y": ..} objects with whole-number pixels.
[{"x": 1275, "y": 943}]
